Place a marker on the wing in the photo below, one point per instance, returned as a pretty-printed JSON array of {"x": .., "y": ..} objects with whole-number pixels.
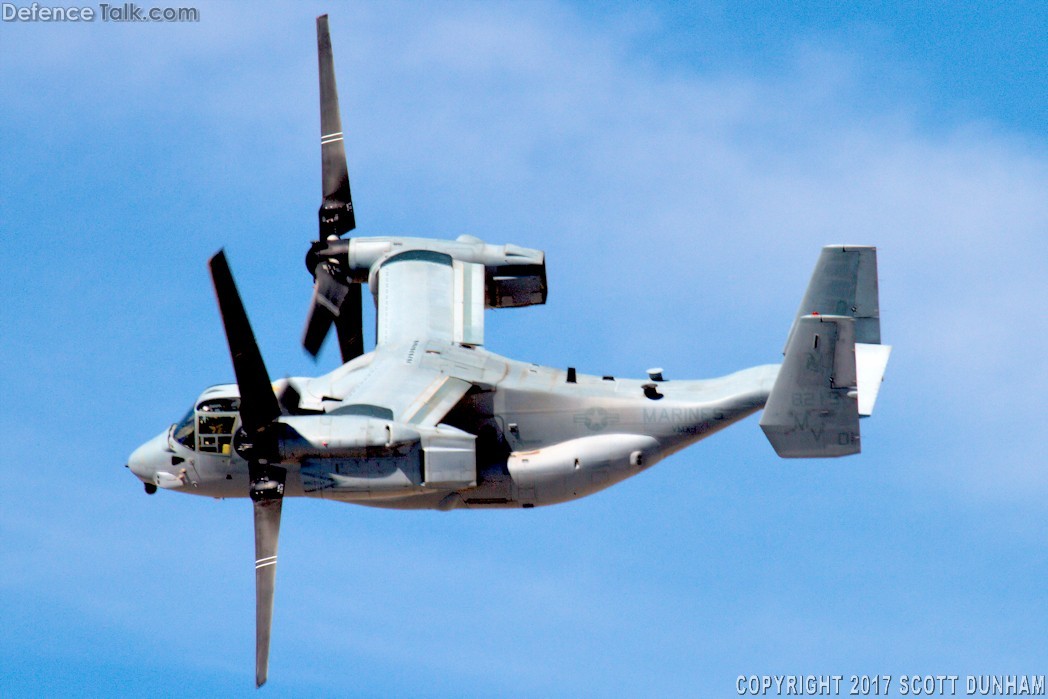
[{"x": 390, "y": 383}]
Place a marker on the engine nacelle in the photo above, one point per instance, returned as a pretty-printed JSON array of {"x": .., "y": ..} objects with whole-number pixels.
[
  {"x": 513, "y": 276},
  {"x": 578, "y": 467},
  {"x": 514, "y": 285}
]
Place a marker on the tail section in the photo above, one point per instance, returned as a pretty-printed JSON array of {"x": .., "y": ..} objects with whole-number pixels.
[
  {"x": 834, "y": 362},
  {"x": 813, "y": 407}
]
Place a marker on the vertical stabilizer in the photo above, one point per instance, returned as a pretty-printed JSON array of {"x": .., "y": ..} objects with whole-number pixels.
[
  {"x": 834, "y": 360},
  {"x": 844, "y": 283},
  {"x": 813, "y": 407}
]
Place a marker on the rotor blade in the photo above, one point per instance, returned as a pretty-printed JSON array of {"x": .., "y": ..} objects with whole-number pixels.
[
  {"x": 290, "y": 399},
  {"x": 267, "y": 495},
  {"x": 258, "y": 403},
  {"x": 349, "y": 325},
  {"x": 338, "y": 302},
  {"x": 317, "y": 326},
  {"x": 328, "y": 294},
  {"x": 336, "y": 209}
]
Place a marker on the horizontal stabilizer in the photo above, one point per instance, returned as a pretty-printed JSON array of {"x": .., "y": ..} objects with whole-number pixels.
[
  {"x": 870, "y": 363},
  {"x": 813, "y": 409}
]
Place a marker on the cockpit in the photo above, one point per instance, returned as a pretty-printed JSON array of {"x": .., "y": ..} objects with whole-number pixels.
[{"x": 208, "y": 427}]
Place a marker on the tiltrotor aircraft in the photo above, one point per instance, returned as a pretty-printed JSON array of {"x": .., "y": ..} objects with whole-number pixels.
[{"x": 430, "y": 419}]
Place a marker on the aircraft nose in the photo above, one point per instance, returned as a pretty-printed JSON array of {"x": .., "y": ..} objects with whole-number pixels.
[{"x": 149, "y": 458}]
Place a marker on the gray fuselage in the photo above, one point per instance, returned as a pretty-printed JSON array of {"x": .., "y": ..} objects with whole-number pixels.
[{"x": 540, "y": 438}]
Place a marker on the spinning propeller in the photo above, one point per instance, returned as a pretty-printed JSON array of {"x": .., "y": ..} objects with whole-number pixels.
[
  {"x": 336, "y": 298},
  {"x": 336, "y": 301},
  {"x": 258, "y": 443}
]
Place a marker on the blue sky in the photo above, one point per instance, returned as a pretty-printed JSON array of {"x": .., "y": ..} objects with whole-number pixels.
[{"x": 681, "y": 169}]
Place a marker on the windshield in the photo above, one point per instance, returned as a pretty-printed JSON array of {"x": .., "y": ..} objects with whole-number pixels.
[{"x": 185, "y": 431}]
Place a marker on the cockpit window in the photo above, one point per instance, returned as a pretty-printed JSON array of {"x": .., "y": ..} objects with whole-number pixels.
[
  {"x": 209, "y": 427},
  {"x": 185, "y": 431},
  {"x": 215, "y": 420}
]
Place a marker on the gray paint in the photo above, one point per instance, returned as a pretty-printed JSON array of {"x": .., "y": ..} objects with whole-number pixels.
[{"x": 422, "y": 417}]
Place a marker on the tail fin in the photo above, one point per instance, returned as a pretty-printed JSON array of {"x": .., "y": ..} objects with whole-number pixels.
[{"x": 834, "y": 360}]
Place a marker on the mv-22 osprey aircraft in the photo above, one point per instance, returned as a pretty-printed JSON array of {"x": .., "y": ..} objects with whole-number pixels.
[{"x": 431, "y": 420}]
